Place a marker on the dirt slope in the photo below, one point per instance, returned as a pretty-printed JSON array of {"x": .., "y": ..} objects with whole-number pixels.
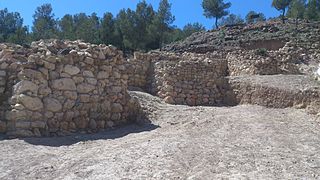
[{"x": 242, "y": 142}]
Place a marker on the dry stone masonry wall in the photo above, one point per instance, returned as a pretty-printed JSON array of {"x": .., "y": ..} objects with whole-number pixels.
[
  {"x": 266, "y": 62},
  {"x": 138, "y": 69},
  {"x": 190, "y": 79},
  {"x": 56, "y": 87}
]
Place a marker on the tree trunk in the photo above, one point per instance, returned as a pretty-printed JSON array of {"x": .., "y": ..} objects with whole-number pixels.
[
  {"x": 283, "y": 13},
  {"x": 217, "y": 23}
]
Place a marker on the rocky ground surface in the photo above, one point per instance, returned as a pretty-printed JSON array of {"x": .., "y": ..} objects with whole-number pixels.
[
  {"x": 181, "y": 142},
  {"x": 271, "y": 35}
]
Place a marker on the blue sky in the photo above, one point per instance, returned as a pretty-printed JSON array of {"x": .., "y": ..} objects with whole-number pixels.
[{"x": 185, "y": 11}]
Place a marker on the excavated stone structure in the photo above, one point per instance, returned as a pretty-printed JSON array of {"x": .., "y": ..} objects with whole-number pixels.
[
  {"x": 56, "y": 87},
  {"x": 59, "y": 87},
  {"x": 240, "y": 68}
]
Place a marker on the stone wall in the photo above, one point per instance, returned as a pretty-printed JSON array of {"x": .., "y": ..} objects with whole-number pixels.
[
  {"x": 286, "y": 60},
  {"x": 185, "y": 78},
  {"x": 56, "y": 87},
  {"x": 138, "y": 69}
]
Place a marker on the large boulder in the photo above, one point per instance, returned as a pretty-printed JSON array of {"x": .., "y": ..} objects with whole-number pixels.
[
  {"x": 52, "y": 104},
  {"x": 72, "y": 70},
  {"x": 31, "y": 103},
  {"x": 24, "y": 86}
]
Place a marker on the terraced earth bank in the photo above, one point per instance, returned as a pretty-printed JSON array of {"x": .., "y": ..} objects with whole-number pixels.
[{"x": 179, "y": 142}]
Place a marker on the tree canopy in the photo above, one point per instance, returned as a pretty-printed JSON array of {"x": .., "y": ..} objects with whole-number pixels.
[
  {"x": 254, "y": 17},
  {"x": 297, "y": 9},
  {"x": 215, "y": 9},
  {"x": 281, "y": 5},
  {"x": 231, "y": 19},
  {"x": 312, "y": 11},
  {"x": 11, "y": 27},
  {"x": 44, "y": 24}
]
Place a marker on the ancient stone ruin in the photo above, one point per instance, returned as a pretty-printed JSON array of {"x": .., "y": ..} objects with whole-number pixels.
[
  {"x": 258, "y": 64},
  {"x": 60, "y": 87},
  {"x": 56, "y": 87}
]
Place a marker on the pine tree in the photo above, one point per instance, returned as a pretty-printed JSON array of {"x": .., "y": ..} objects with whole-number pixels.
[
  {"x": 87, "y": 27},
  {"x": 215, "y": 9},
  {"x": 11, "y": 27},
  {"x": 107, "y": 29},
  {"x": 297, "y": 9},
  {"x": 44, "y": 24},
  {"x": 231, "y": 20},
  {"x": 67, "y": 27},
  {"x": 192, "y": 28},
  {"x": 162, "y": 22},
  {"x": 254, "y": 17},
  {"x": 144, "y": 16},
  {"x": 313, "y": 10},
  {"x": 281, "y": 5}
]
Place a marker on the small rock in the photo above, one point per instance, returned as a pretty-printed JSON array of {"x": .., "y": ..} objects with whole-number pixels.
[
  {"x": 49, "y": 66},
  {"x": 72, "y": 70},
  {"x": 92, "y": 81},
  {"x": 64, "y": 84},
  {"x": 88, "y": 74},
  {"x": 69, "y": 104},
  {"x": 101, "y": 124},
  {"x": 38, "y": 124},
  {"x": 3, "y": 73},
  {"x": 116, "y": 108},
  {"x": 103, "y": 75},
  {"x": 84, "y": 98},
  {"x": 169, "y": 100},
  {"x": 92, "y": 124},
  {"x": 71, "y": 95},
  {"x": 3, "y": 127},
  {"x": 110, "y": 123},
  {"x": 85, "y": 88}
]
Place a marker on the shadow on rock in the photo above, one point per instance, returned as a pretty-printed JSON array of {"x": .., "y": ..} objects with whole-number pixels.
[{"x": 104, "y": 135}]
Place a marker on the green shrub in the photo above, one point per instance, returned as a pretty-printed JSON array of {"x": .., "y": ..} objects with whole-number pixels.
[{"x": 261, "y": 52}]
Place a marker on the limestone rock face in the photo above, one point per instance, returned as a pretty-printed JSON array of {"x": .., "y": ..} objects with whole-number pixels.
[
  {"x": 52, "y": 104},
  {"x": 31, "y": 103},
  {"x": 66, "y": 84},
  {"x": 24, "y": 86}
]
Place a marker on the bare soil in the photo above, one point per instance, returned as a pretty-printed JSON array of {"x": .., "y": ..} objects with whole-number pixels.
[{"x": 180, "y": 142}]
